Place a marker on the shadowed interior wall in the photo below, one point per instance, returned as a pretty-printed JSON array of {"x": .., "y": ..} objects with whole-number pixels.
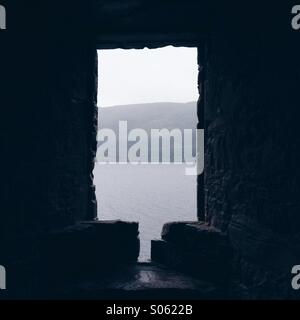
[
  {"x": 251, "y": 157},
  {"x": 49, "y": 117}
]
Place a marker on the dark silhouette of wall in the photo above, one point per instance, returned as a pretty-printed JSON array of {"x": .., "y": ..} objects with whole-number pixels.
[
  {"x": 48, "y": 117},
  {"x": 251, "y": 155}
]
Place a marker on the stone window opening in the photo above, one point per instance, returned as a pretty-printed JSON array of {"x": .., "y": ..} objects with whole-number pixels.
[{"x": 199, "y": 191}]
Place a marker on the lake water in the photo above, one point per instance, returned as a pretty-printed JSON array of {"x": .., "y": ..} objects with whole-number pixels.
[{"x": 151, "y": 194}]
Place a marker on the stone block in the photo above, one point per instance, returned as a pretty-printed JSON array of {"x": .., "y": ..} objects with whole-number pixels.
[
  {"x": 89, "y": 247},
  {"x": 194, "y": 248},
  {"x": 174, "y": 231}
]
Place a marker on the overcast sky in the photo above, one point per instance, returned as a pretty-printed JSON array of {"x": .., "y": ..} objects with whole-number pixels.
[{"x": 150, "y": 75}]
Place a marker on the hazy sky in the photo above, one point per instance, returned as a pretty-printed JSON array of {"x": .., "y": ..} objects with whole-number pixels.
[{"x": 150, "y": 75}]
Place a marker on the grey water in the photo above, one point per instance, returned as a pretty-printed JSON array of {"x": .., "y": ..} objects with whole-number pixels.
[{"x": 151, "y": 194}]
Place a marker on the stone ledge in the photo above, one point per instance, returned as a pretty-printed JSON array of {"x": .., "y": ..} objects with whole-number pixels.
[
  {"x": 196, "y": 235},
  {"x": 194, "y": 248},
  {"x": 72, "y": 253},
  {"x": 95, "y": 244},
  {"x": 174, "y": 231}
]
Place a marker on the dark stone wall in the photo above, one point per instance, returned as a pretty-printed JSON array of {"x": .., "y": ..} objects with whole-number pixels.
[
  {"x": 251, "y": 156},
  {"x": 48, "y": 117}
]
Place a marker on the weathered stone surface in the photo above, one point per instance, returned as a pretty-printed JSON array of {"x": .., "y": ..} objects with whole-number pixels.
[
  {"x": 262, "y": 245},
  {"x": 200, "y": 264},
  {"x": 94, "y": 244},
  {"x": 174, "y": 231},
  {"x": 195, "y": 248},
  {"x": 196, "y": 236},
  {"x": 50, "y": 103},
  {"x": 144, "y": 281},
  {"x": 251, "y": 177},
  {"x": 114, "y": 228},
  {"x": 84, "y": 250}
]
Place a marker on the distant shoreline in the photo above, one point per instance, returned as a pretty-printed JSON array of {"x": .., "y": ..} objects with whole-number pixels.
[{"x": 144, "y": 104}]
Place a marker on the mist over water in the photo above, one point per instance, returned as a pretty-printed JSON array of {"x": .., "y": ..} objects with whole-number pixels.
[{"x": 149, "y": 194}]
